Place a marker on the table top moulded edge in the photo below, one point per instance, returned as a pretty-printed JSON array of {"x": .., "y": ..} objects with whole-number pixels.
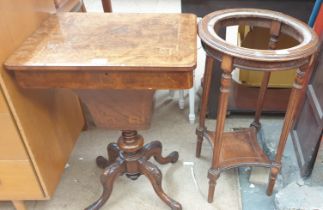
[
  {"x": 83, "y": 41},
  {"x": 55, "y": 55}
]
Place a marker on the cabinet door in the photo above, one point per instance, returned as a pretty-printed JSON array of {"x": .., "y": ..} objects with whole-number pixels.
[
  {"x": 308, "y": 128},
  {"x": 18, "y": 181},
  {"x": 48, "y": 121}
]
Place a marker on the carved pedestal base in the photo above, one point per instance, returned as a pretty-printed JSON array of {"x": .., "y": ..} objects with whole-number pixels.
[{"x": 131, "y": 158}]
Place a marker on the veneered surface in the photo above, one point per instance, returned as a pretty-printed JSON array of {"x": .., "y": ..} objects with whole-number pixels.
[{"x": 96, "y": 41}]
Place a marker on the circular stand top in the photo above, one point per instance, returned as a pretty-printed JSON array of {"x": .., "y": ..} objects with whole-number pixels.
[{"x": 210, "y": 25}]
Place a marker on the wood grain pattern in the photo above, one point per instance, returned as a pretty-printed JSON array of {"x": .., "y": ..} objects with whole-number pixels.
[
  {"x": 147, "y": 42},
  {"x": 18, "y": 181},
  {"x": 240, "y": 147},
  {"x": 48, "y": 121},
  {"x": 11, "y": 147},
  {"x": 111, "y": 108},
  {"x": 140, "y": 80}
]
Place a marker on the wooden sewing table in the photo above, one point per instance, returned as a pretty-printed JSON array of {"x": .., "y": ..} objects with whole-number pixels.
[{"x": 114, "y": 62}]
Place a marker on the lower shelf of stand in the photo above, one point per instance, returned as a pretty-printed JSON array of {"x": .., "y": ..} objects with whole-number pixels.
[{"x": 240, "y": 148}]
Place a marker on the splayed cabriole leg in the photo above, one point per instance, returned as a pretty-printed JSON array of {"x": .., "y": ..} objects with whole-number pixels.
[
  {"x": 113, "y": 153},
  {"x": 107, "y": 179},
  {"x": 155, "y": 177},
  {"x": 130, "y": 157},
  {"x": 154, "y": 149}
]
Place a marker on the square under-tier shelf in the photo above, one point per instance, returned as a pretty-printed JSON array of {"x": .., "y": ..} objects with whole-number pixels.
[{"x": 240, "y": 148}]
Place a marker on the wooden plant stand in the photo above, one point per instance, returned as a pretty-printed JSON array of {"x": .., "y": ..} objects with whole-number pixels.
[{"x": 240, "y": 148}]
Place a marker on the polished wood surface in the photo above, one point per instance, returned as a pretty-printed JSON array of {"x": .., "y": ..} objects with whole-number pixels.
[
  {"x": 110, "y": 108},
  {"x": 163, "y": 48},
  {"x": 18, "y": 181},
  {"x": 38, "y": 128},
  {"x": 237, "y": 144},
  {"x": 261, "y": 18},
  {"x": 275, "y": 29},
  {"x": 240, "y": 147},
  {"x": 139, "y": 80},
  {"x": 209, "y": 62},
  {"x": 11, "y": 147},
  {"x": 129, "y": 156},
  {"x": 147, "y": 42},
  {"x": 97, "y": 54}
]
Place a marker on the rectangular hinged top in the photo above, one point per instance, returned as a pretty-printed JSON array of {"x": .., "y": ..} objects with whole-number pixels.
[{"x": 109, "y": 42}]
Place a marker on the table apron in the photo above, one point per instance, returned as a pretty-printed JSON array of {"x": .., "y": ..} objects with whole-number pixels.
[{"x": 105, "y": 80}]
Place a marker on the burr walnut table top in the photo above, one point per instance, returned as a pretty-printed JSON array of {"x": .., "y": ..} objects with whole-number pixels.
[
  {"x": 98, "y": 41},
  {"x": 106, "y": 50}
]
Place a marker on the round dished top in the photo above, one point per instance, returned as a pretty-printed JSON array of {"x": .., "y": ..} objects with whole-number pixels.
[{"x": 209, "y": 26}]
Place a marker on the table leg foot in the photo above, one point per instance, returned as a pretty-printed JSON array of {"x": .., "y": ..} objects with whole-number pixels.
[
  {"x": 107, "y": 179},
  {"x": 213, "y": 176},
  {"x": 154, "y": 149},
  {"x": 155, "y": 177},
  {"x": 272, "y": 180},
  {"x": 200, "y": 137}
]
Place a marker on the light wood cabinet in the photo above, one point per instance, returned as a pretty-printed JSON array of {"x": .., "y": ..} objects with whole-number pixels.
[
  {"x": 18, "y": 181},
  {"x": 38, "y": 128}
]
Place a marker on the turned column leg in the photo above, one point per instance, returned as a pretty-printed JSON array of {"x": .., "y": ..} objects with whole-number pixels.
[
  {"x": 213, "y": 173},
  {"x": 154, "y": 149},
  {"x": 155, "y": 177},
  {"x": 19, "y": 205},
  {"x": 274, "y": 32},
  {"x": 294, "y": 100},
  {"x": 204, "y": 100},
  {"x": 261, "y": 99}
]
